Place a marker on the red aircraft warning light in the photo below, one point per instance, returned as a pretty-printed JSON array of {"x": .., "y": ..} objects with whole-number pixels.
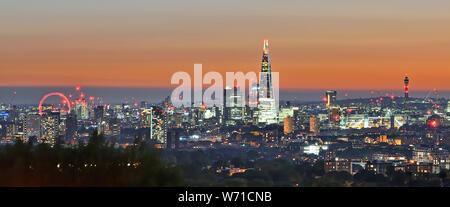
[
  {"x": 336, "y": 117},
  {"x": 433, "y": 124}
]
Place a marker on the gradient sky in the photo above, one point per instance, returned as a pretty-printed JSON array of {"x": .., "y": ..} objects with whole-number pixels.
[{"x": 339, "y": 44}]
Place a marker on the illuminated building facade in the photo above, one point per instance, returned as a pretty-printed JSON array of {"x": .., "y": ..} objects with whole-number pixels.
[
  {"x": 234, "y": 110},
  {"x": 334, "y": 116},
  {"x": 288, "y": 125},
  {"x": 267, "y": 109},
  {"x": 50, "y": 127},
  {"x": 158, "y": 125},
  {"x": 359, "y": 121},
  {"x": 32, "y": 126},
  {"x": 422, "y": 155},
  {"x": 314, "y": 124},
  {"x": 331, "y": 98},
  {"x": 448, "y": 107},
  {"x": 266, "y": 90},
  {"x": 338, "y": 165},
  {"x": 383, "y": 139},
  {"x": 81, "y": 109},
  {"x": 333, "y": 109},
  {"x": 113, "y": 127}
]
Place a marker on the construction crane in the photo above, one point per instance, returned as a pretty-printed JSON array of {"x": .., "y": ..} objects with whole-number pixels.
[{"x": 427, "y": 97}]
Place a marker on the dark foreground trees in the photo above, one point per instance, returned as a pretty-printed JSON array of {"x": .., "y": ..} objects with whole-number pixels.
[{"x": 95, "y": 164}]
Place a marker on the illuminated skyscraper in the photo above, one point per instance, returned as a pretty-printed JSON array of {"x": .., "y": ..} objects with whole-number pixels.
[
  {"x": 32, "y": 126},
  {"x": 330, "y": 98},
  {"x": 236, "y": 112},
  {"x": 81, "y": 109},
  {"x": 333, "y": 108},
  {"x": 334, "y": 116},
  {"x": 50, "y": 127},
  {"x": 99, "y": 113},
  {"x": 267, "y": 109},
  {"x": 288, "y": 125},
  {"x": 314, "y": 124},
  {"x": 266, "y": 90},
  {"x": 448, "y": 107},
  {"x": 114, "y": 127},
  {"x": 158, "y": 125}
]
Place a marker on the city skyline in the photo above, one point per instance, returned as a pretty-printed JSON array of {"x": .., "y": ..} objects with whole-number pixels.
[
  {"x": 362, "y": 46},
  {"x": 182, "y": 94}
]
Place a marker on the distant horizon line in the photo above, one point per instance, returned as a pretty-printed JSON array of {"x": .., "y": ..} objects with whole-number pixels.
[{"x": 171, "y": 87}]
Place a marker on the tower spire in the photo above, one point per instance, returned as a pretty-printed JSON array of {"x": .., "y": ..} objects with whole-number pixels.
[
  {"x": 266, "y": 73},
  {"x": 266, "y": 46}
]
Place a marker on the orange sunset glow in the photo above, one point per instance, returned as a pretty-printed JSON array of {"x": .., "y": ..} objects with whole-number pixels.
[{"x": 142, "y": 44}]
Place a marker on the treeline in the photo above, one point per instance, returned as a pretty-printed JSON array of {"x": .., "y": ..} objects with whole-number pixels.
[{"x": 96, "y": 164}]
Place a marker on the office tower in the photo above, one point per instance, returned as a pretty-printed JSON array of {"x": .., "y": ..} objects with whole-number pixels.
[
  {"x": 81, "y": 109},
  {"x": 334, "y": 116},
  {"x": 266, "y": 90},
  {"x": 99, "y": 113},
  {"x": 32, "y": 126},
  {"x": 314, "y": 124},
  {"x": 297, "y": 118},
  {"x": 173, "y": 138},
  {"x": 145, "y": 118},
  {"x": 234, "y": 98},
  {"x": 331, "y": 97},
  {"x": 71, "y": 128},
  {"x": 13, "y": 114},
  {"x": 406, "y": 81},
  {"x": 232, "y": 110},
  {"x": 268, "y": 111},
  {"x": 333, "y": 108},
  {"x": 288, "y": 125},
  {"x": 11, "y": 129},
  {"x": 254, "y": 91},
  {"x": 114, "y": 126},
  {"x": 448, "y": 107},
  {"x": 158, "y": 125},
  {"x": 50, "y": 127}
]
